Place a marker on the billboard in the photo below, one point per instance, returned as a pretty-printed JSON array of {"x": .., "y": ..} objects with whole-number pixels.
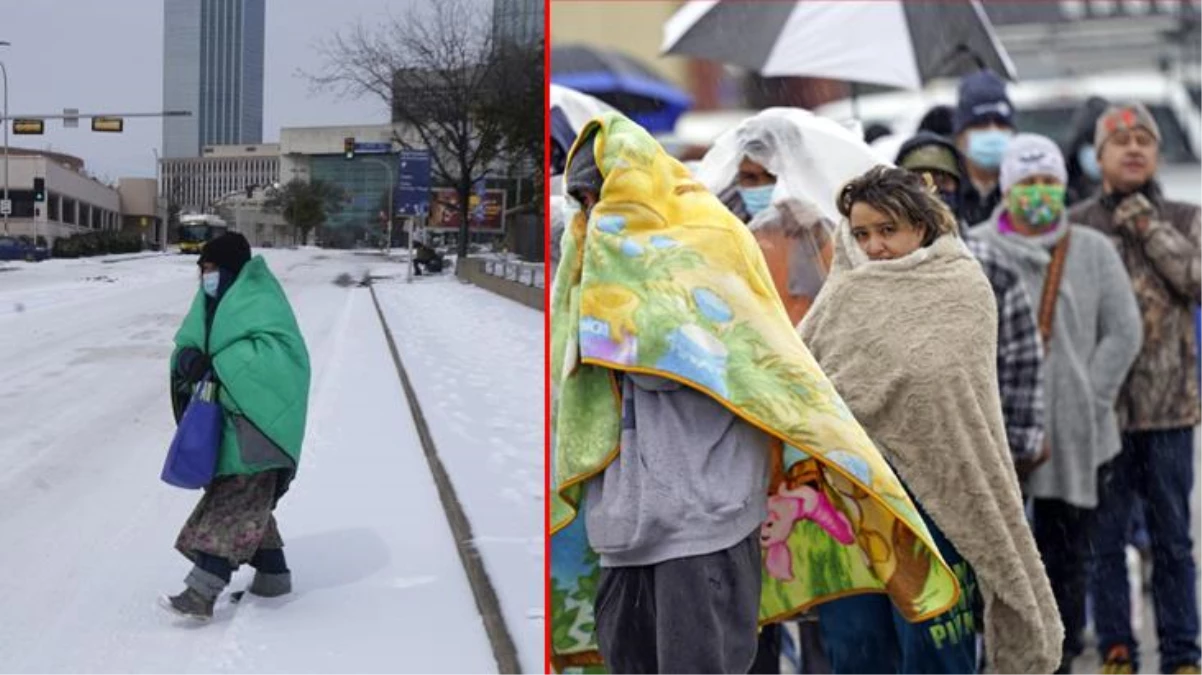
[{"x": 444, "y": 211}]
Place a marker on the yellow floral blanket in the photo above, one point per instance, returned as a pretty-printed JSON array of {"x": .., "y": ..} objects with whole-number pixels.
[{"x": 662, "y": 279}]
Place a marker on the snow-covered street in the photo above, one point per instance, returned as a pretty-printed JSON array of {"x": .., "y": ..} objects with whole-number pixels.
[{"x": 87, "y": 528}]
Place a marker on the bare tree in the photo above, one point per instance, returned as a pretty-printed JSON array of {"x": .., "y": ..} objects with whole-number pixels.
[{"x": 435, "y": 69}]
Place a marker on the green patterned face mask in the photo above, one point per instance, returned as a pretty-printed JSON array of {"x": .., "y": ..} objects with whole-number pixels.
[{"x": 1040, "y": 206}]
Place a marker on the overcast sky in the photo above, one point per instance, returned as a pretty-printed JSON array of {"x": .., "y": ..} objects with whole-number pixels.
[{"x": 108, "y": 57}]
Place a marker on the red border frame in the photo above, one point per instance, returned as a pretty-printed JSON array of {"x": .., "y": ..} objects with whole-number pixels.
[{"x": 546, "y": 337}]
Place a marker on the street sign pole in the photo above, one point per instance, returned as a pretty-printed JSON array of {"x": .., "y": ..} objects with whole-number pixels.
[
  {"x": 409, "y": 267},
  {"x": 413, "y": 187}
]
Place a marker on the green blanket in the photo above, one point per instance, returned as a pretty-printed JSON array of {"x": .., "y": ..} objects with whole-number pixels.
[{"x": 261, "y": 363}]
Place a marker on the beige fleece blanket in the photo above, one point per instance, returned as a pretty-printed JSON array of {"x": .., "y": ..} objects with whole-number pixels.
[{"x": 911, "y": 345}]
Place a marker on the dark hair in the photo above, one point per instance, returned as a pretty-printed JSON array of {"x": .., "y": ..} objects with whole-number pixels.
[
  {"x": 901, "y": 194},
  {"x": 939, "y": 119},
  {"x": 876, "y": 130}
]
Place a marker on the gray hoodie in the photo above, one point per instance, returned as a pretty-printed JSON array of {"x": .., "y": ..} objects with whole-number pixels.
[
  {"x": 1096, "y": 336},
  {"x": 691, "y": 478}
]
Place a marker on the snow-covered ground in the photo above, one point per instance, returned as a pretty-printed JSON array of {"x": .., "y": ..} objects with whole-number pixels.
[
  {"x": 86, "y": 527},
  {"x": 476, "y": 362}
]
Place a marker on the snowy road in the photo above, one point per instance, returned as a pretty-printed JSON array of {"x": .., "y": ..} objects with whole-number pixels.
[{"x": 87, "y": 528}]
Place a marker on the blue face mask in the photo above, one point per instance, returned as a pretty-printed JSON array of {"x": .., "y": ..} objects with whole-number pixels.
[
  {"x": 987, "y": 146},
  {"x": 210, "y": 281},
  {"x": 1087, "y": 159},
  {"x": 757, "y": 199}
]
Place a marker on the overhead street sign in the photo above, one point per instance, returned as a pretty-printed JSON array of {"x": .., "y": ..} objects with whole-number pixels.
[{"x": 373, "y": 148}]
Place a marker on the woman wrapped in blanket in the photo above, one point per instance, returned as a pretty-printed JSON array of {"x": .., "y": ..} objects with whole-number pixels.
[
  {"x": 906, "y": 329},
  {"x": 241, "y": 332}
]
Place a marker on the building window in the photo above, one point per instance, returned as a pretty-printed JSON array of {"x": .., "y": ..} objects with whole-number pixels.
[
  {"x": 69, "y": 208},
  {"x": 52, "y": 205}
]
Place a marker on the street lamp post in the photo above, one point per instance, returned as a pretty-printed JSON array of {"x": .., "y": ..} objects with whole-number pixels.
[{"x": 4, "y": 71}]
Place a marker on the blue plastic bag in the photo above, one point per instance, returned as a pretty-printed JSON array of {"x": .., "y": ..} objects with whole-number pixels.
[{"x": 192, "y": 459}]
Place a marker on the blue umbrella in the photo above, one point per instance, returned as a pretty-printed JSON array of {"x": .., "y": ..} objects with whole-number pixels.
[{"x": 621, "y": 81}]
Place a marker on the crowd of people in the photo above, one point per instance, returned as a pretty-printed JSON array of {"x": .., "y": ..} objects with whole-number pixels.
[{"x": 1009, "y": 320}]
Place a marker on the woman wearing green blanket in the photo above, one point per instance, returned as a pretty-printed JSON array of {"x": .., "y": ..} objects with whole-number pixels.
[
  {"x": 242, "y": 330},
  {"x": 906, "y": 329}
]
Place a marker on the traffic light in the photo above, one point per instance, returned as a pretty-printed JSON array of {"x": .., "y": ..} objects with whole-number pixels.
[
  {"x": 28, "y": 126},
  {"x": 39, "y": 189},
  {"x": 109, "y": 124},
  {"x": 348, "y": 147}
]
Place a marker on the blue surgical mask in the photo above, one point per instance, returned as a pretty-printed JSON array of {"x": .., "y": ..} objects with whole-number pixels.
[
  {"x": 1087, "y": 159},
  {"x": 757, "y": 199},
  {"x": 987, "y": 146},
  {"x": 210, "y": 281}
]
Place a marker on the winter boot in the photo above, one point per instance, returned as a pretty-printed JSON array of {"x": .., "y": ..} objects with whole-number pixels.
[
  {"x": 191, "y": 604},
  {"x": 272, "y": 578},
  {"x": 1118, "y": 661},
  {"x": 271, "y": 585}
]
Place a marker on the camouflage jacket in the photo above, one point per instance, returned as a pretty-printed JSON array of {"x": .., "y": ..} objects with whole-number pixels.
[{"x": 1161, "y": 391}]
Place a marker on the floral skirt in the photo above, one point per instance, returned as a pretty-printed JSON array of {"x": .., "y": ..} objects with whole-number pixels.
[{"x": 233, "y": 519}]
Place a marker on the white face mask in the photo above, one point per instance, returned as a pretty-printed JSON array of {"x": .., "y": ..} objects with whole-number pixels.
[{"x": 210, "y": 281}]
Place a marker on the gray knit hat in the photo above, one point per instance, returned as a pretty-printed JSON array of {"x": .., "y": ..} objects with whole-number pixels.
[
  {"x": 1031, "y": 155},
  {"x": 1124, "y": 117}
]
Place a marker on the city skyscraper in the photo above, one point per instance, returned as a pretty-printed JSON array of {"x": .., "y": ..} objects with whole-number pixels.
[
  {"x": 213, "y": 66},
  {"x": 517, "y": 22}
]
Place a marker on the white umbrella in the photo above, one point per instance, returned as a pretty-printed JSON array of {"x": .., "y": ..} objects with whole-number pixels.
[{"x": 884, "y": 42}]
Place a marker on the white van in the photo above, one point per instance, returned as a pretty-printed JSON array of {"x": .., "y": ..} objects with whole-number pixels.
[{"x": 1047, "y": 107}]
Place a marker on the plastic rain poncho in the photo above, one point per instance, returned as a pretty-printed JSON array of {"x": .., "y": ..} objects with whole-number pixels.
[{"x": 811, "y": 157}]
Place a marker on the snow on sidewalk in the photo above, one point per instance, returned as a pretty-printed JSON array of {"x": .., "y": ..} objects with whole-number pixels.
[
  {"x": 88, "y": 527},
  {"x": 364, "y": 533},
  {"x": 476, "y": 362}
]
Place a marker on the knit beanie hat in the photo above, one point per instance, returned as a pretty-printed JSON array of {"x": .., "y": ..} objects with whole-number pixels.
[
  {"x": 230, "y": 252},
  {"x": 982, "y": 98},
  {"x": 1031, "y": 155},
  {"x": 1124, "y": 117}
]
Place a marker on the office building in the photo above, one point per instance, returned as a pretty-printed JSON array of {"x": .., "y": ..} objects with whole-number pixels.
[
  {"x": 517, "y": 22},
  {"x": 213, "y": 67},
  {"x": 195, "y": 183}
]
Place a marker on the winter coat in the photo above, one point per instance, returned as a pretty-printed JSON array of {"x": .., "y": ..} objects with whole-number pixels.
[
  {"x": 1095, "y": 337},
  {"x": 1163, "y": 263},
  {"x": 262, "y": 367}
]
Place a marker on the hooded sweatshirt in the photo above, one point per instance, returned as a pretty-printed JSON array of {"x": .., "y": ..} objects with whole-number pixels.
[{"x": 691, "y": 478}]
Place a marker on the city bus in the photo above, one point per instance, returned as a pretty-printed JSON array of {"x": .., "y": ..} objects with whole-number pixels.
[{"x": 195, "y": 229}]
